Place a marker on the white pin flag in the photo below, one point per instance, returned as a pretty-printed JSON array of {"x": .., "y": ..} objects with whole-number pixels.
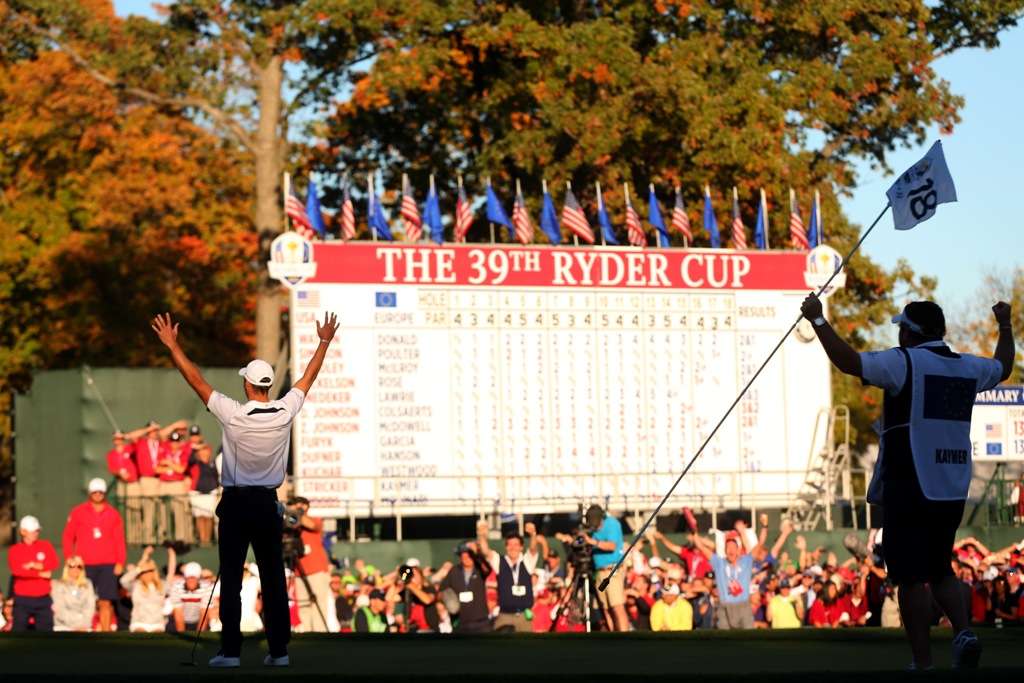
[{"x": 920, "y": 189}]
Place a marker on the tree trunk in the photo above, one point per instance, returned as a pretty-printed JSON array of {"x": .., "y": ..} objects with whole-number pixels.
[{"x": 268, "y": 208}]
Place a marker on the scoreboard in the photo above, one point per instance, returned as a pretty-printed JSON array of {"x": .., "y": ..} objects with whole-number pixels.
[
  {"x": 469, "y": 378},
  {"x": 997, "y": 425}
]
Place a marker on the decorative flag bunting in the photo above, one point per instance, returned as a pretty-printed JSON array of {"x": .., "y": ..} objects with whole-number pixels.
[
  {"x": 521, "y": 218},
  {"x": 410, "y": 213},
  {"x": 739, "y": 232},
  {"x": 295, "y": 211},
  {"x": 710, "y": 222},
  {"x": 432, "y": 214},
  {"x": 607, "y": 231},
  {"x": 680, "y": 221},
  {"x": 761, "y": 228},
  {"x": 316, "y": 217},
  {"x": 375, "y": 214},
  {"x": 814, "y": 235},
  {"x": 495, "y": 212},
  {"x": 463, "y": 215},
  {"x": 920, "y": 189},
  {"x": 634, "y": 230},
  {"x": 655, "y": 219},
  {"x": 549, "y": 217},
  {"x": 348, "y": 215},
  {"x": 573, "y": 216},
  {"x": 797, "y": 234}
]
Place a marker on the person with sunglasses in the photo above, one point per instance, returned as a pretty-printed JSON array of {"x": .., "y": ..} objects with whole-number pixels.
[
  {"x": 74, "y": 599},
  {"x": 148, "y": 591}
]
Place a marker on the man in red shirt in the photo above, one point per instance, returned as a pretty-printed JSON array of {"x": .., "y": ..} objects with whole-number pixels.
[
  {"x": 121, "y": 464},
  {"x": 175, "y": 484},
  {"x": 95, "y": 533},
  {"x": 149, "y": 451},
  {"x": 32, "y": 563},
  {"x": 314, "y": 565}
]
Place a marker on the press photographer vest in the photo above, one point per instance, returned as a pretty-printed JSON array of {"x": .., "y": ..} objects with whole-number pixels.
[
  {"x": 934, "y": 411},
  {"x": 515, "y": 587}
]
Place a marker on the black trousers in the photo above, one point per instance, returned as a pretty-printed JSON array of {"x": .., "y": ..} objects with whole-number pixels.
[
  {"x": 41, "y": 608},
  {"x": 249, "y": 515}
]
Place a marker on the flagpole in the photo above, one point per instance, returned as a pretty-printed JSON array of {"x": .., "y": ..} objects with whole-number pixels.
[
  {"x": 373, "y": 199},
  {"x": 287, "y": 184},
  {"x": 575, "y": 238},
  {"x": 600, "y": 205},
  {"x": 735, "y": 211},
  {"x": 707, "y": 439},
  {"x": 821, "y": 223},
  {"x": 433, "y": 191},
  {"x": 764, "y": 212}
]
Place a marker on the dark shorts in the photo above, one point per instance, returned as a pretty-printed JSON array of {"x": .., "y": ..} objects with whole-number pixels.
[
  {"x": 918, "y": 533},
  {"x": 103, "y": 580}
]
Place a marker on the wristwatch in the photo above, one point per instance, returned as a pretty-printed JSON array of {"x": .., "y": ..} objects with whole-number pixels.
[{"x": 818, "y": 322}]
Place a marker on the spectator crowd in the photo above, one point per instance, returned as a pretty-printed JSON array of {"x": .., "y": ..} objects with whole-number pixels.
[{"x": 723, "y": 580}]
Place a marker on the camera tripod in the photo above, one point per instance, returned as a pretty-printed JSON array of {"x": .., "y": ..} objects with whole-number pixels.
[
  {"x": 579, "y": 590},
  {"x": 296, "y": 567}
]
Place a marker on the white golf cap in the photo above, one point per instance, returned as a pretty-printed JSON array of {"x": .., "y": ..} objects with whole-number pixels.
[
  {"x": 97, "y": 485},
  {"x": 672, "y": 589},
  {"x": 258, "y": 373},
  {"x": 29, "y": 523},
  {"x": 192, "y": 570},
  {"x": 412, "y": 562}
]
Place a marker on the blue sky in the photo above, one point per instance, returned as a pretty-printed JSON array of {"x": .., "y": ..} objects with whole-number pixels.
[{"x": 980, "y": 233}]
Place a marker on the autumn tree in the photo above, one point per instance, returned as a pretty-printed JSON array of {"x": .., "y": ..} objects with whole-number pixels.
[{"x": 973, "y": 329}]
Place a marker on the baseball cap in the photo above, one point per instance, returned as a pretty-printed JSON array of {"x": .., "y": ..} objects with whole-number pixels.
[
  {"x": 924, "y": 317},
  {"x": 784, "y": 582},
  {"x": 194, "y": 429},
  {"x": 29, "y": 523},
  {"x": 377, "y": 594},
  {"x": 412, "y": 562},
  {"x": 258, "y": 373},
  {"x": 176, "y": 436},
  {"x": 151, "y": 425},
  {"x": 97, "y": 485},
  {"x": 671, "y": 589},
  {"x": 192, "y": 570}
]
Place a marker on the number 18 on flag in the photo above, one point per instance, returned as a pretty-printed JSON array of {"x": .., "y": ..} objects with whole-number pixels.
[{"x": 920, "y": 189}]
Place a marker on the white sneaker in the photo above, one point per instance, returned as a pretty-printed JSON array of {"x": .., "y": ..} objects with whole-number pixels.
[
  {"x": 966, "y": 650},
  {"x": 276, "y": 661},
  {"x": 221, "y": 662}
]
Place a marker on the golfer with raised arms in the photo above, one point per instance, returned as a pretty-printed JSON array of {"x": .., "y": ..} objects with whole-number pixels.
[
  {"x": 256, "y": 437},
  {"x": 924, "y": 460}
]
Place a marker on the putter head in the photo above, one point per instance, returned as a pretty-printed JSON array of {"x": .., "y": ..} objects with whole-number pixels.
[{"x": 603, "y": 585}]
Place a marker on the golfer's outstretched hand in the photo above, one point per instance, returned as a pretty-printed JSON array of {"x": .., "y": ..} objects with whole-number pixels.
[
  {"x": 1002, "y": 313},
  {"x": 327, "y": 330},
  {"x": 165, "y": 329}
]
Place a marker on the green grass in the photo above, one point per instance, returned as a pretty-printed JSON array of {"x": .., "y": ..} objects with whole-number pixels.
[{"x": 803, "y": 655}]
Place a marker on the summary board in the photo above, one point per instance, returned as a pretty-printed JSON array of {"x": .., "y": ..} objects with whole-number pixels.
[
  {"x": 473, "y": 378},
  {"x": 997, "y": 424}
]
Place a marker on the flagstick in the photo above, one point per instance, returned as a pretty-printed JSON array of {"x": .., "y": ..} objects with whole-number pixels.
[
  {"x": 707, "y": 440},
  {"x": 764, "y": 212},
  {"x": 369, "y": 218},
  {"x": 600, "y": 205}
]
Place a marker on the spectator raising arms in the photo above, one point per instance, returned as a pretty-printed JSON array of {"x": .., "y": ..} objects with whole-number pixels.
[
  {"x": 95, "y": 533},
  {"x": 74, "y": 600},
  {"x": 31, "y": 563},
  {"x": 148, "y": 592}
]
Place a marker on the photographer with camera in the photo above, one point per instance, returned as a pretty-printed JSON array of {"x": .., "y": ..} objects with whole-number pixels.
[
  {"x": 313, "y": 569},
  {"x": 606, "y": 546},
  {"x": 464, "y": 590},
  {"x": 413, "y": 598}
]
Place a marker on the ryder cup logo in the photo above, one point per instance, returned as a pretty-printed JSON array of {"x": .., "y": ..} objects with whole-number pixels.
[
  {"x": 291, "y": 259},
  {"x": 822, "y": 261}
]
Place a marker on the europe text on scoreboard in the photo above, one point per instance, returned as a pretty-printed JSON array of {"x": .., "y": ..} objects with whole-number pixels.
[
  {"x": 527, "y": 379},
  {"x": 997, "y": 424}
]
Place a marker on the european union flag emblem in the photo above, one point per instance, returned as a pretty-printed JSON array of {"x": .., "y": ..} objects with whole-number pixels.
[
  {"x": 387, "y": 299},
  {"x": 993, "y": 448}
]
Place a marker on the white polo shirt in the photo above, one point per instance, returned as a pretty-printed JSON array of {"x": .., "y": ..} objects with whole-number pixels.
[{"x": 256, "y": 437}]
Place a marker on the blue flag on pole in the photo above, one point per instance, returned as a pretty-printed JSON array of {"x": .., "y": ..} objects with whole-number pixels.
[
  {"x": 604, "y": 221},
  {"x": 814, "y": 230},
  {"x": 495, "y": 212},
  {"x": 316, "y": 218},
  {"x": 761, "y": 227},
  {"x": 432, "y": 215},
  {"x": 375, "y": 217},
  {"x": 655, "y": 219},
  {"x": 710, "y": 222},
  {"x": 549, "y": 219}
]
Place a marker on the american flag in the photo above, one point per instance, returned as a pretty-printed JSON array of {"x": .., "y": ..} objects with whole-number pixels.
[
  {"x": 463, "y": 215},
  {"x": 410, "y": 213},
  {"x": 308, "y": 298},
  {"x": 994, "y": 431},
  {"x": 348, "y": 217},
  {"x": 680, "y": 221},
  {"x": 797, "y": 233},
  {"x": 739, "y": 233},
  {"x": 634, "y": 230},
  {"x": 573, "y": 216},
  {"x": 297, "y": 213},
  {"x": 521, "y": 219}
]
